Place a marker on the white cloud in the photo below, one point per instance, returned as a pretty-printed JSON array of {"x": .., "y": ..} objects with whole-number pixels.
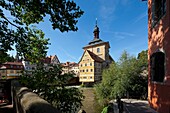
[
  {"x": 108, "y": 8},
  {"x": 140, "y": 17},
  {"x": 120, "y": 35},
  {"x": 67, "y": 54}
]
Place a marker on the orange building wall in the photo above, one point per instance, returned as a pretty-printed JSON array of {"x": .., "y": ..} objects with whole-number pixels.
[{"x": 159, "y": 39}]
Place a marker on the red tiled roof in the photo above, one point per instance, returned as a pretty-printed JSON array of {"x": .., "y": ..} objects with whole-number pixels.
[
  {"x": 95, "y": 57},
  {"x": 48, "y": 59},
  {"x": 69, "y": 64},
  {"x": 13, "y": 63}
]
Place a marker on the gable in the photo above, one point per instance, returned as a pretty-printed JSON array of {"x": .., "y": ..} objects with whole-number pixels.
[
  {"x": 85, "y": 56},
  {"x": 91, "y": 56},
  {"x": 55, "y": 59}
]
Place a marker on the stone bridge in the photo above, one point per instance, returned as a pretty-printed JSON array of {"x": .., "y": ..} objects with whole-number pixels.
[{"x": 25, "y": 101}]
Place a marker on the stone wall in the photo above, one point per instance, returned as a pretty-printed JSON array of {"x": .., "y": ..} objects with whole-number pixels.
[{"x": 25, "y": 101}]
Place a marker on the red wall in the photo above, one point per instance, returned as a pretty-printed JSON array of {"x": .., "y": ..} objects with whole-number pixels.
[{"x": 159, "y": 39}]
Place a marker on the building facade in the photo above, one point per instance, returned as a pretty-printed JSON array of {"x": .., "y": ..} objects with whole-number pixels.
[
  {"x": 11, "y": 70},
  {"x": 51, "y": 60},
  {"x": 159, "y": 55},
  {"x": 28, "y": 66},
  {"x": 70, "y": 67},
  {"x": 95, "y": 57}
]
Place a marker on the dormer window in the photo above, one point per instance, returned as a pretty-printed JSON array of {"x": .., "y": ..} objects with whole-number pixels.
[{"x": 98, "y": 50}]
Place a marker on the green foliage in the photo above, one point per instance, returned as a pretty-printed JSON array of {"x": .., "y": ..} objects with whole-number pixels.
[
  {"x": 123, "y": 77},
  {"x": 17, "y": 16},
  {"x": 4, "y": 57},
  {"x": 105, "y": 110},
  {"x": 51, "y": 85},
  {"x": 143, "y": 59}
]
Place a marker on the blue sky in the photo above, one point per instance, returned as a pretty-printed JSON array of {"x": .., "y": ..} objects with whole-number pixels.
[{"x": 121, "y": 22}]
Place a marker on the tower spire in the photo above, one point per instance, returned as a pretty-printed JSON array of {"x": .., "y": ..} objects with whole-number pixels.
[{"x": 96, "y": 31}]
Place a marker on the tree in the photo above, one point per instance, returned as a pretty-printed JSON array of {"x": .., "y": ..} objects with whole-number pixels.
[
  {"x": 6, "y": 57},
  {"x": 63, "y": 15},
  {"x": 31, "y": 44},
  {"x": 123, "y": 78},
  {"x": 51, "y": 85},
  {"x": 143, "y": 58}
]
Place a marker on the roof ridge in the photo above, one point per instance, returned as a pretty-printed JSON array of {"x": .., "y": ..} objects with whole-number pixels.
[{"x": 95, "y": 57}]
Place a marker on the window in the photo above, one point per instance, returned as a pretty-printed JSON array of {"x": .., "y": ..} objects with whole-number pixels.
[
  {"x": 85, "y": 64},
  {"x": 158, "y": 10},
  {"x": 11, "y": 71},
  {"x": 90, "y": 64},
  {"x": 27, "y": 62},
  {"x": 91, "y": 77},
  {"x": 3, "y": 71},
  {"x": 84, "y": 77},
  {"x": 98, "y": 70},
  {"x": 18, "y": 71},
  {"x": 91, "y": 70},
  {"x": 157, "y": 61},
  {"x": 98, "y": 50},
  {"x": 86, "y": 70}
]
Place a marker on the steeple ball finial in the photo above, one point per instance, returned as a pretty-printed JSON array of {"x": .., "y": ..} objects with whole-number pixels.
[
  {"x": 96, "y": 31},
  {"x": 96, "y": 21}
]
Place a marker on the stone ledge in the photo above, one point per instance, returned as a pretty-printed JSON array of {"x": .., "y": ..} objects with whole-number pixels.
[{"x": 25, "y": 101}]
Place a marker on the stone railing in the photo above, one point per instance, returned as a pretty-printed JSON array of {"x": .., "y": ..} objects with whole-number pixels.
[{"x": 25, "y": 101}]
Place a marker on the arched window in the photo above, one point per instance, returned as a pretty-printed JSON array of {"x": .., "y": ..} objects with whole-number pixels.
[
  {"x": 158, "y": 10},
  {"x": 157, "y": 66}
]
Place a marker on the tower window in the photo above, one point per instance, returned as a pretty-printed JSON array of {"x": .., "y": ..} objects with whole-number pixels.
[
  {"x": 157, "y": 66},
  {"x": 98, "y": 50},
  {"x": 158, "y": 10}
]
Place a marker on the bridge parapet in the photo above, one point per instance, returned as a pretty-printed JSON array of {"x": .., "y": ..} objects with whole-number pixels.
[{"x": 25, "y": 101}]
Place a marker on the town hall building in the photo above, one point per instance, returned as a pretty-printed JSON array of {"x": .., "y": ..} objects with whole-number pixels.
[{"x": 95, "y": 58}]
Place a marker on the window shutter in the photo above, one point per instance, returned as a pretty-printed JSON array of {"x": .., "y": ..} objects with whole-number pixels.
[
  {"x": 164, "y": 6},
  {"x": 153, "y": 12}
]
